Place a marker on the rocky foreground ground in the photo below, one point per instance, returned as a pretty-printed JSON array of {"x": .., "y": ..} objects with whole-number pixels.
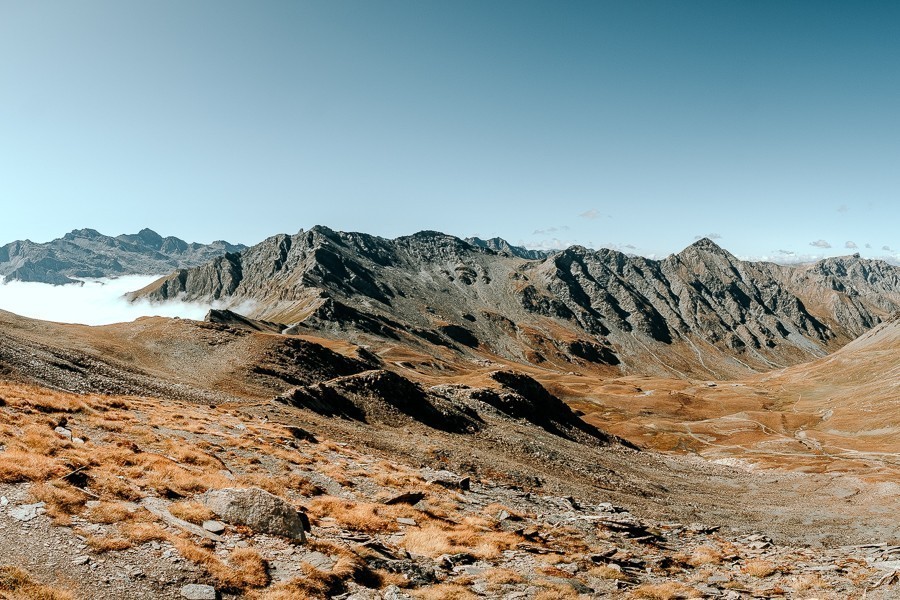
[{"x": 113, "y": 497}]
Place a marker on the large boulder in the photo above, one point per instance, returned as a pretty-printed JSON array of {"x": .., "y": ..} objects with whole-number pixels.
[{"x": 259, "y": 510}]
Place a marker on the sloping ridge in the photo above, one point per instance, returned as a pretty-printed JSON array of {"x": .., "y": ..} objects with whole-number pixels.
[
  {"x": 700, "y": 312},
  {"x": 389, "y": 398},
  {"x": 854, "y": 392}
]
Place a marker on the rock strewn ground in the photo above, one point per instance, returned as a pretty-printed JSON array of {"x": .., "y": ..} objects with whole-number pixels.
[{"x": 379, "y": 528}]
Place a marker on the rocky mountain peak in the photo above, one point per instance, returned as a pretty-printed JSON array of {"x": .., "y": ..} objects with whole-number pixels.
[
  {"x": 706, "y": 246},
  {"x": 498, "y": 244},
  {"x": 86, "y": 233},
  {"x": 150, "y": 237}
]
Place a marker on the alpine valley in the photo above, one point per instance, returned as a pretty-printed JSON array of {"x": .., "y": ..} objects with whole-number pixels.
[{"x": 436, "y": 417}]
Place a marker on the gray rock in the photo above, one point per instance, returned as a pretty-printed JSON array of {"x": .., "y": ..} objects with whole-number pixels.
[
  {"x": 81, "y": 560},
  {"x": 64, "y": 432},
  {"x": 407, "y": 521},
  {"x": 392, "y": 592},
  {"x": 259, "y": 510},
  {"x": 196, "y": 591},
  {"x": 323, "y": 562},
  {"x": 216, "y": 527},
  {"x": 26, "y": 512}
]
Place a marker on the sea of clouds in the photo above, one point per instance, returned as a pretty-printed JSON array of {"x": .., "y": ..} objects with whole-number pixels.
[{"x": 94, "y": 302}]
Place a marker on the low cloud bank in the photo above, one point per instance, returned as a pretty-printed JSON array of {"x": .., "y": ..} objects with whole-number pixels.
[{"x": 97, "y": 302}]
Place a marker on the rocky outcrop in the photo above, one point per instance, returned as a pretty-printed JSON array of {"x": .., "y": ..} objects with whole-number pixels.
[
  {"x": 384, "y": 397},
  {"x": 701, "y": 311},
  {"x": 86, "y": 253},
  {"x": 389, "y": 398}
]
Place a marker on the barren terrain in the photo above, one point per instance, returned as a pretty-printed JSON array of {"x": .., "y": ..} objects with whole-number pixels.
[{"x": 741, "y": 488}]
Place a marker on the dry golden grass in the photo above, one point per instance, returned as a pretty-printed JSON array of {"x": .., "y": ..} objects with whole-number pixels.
[
  {"x": 493, "y": 509},
  {"x": 141, "y": 533},
  {"x": 110, "y": 424},
  {"x": 607, "y": 572},
  {"x": 702, "y": 555},
  {"x": 42, "y": 440},
  {"x": 433, "y": 540},
  {"x": 315, "y": 583},
  {"x": 189, "y": 454},
  {"x": 501, "y": 576},
  {"x": 193, "y": 512},
  {"x": 337, "y": 473},
  {"x": 60, "y": 496},
  {"x": 555, "y": 591},
  {"x": 17, "y": 584},
  {"x": 757, "y": 567},
  {"x": 47, "y": 401},
  {"x": 109, "y": 512},
  {"x": 100, "y": 544},
  {"x": 445, "y": 591},
  {"x": 668, "y": 590},
  {"x": 108, "y": 485},
  {"x": 254, "y": 571},
  {"x": 18, "y": 466},
  {"x": 552, "y": 571},
  {"x": 277, "y": 484},
  {"x": 247, "y": 570},
  {"x": 169, "y": 479},
  {"x": 359, "y": 516},
  {"x": 808, "y": 581}
]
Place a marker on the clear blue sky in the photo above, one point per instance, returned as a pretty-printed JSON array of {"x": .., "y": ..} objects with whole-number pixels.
[{"x": 638, "y": 124}]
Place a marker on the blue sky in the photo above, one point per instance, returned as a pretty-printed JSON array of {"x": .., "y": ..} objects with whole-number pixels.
[{"x": 771, "y": 126}]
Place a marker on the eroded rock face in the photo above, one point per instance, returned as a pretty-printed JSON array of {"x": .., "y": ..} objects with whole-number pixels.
[
  {"x": 699, "y": 311},
  {"x": 89, "y": 253},
  {"x": 258, "y": 510}
]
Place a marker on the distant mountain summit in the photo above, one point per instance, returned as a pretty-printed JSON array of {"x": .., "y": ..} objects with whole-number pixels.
[
  {"x": 88, "y": 253},
  {"x": 500, "y": 245},
  {"x": 701, "y": 311}
]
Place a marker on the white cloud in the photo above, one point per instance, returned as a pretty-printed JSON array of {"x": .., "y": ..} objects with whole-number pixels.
[
  {"x": 590, "y": 214},
  {"x": 549, "y": 230},
  {"x": 820, "y": 244},
  {"x": 886, "y": 248},
  {"x": 851, "y": 245},
  {"x": 97, "y": 302},
  {"x": 711, "y": 236},
  {"x": 842, "y": 208},
  {"x": 548, "y": 245}
]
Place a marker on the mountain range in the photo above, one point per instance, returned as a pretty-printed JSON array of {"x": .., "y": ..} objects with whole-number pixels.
[
  {"x": 700, "y": 312},
  {"x": 87, "y": 253},
  {"x": 436, "y": 417}
]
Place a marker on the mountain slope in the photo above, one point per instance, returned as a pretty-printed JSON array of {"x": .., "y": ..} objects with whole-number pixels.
[
  {"x": 701, "y": 312},
  {"x": 88, "y": 253}
]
